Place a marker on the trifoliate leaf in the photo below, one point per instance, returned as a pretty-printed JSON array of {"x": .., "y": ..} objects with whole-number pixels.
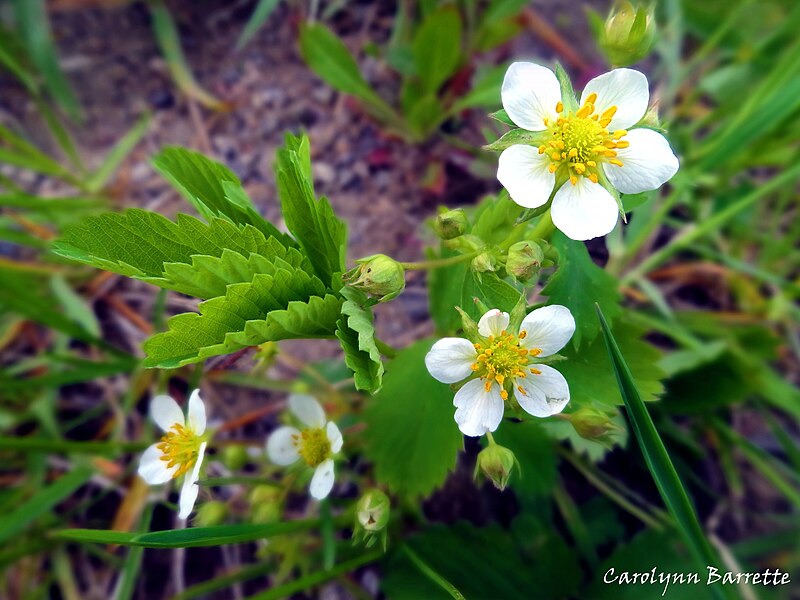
[
  {"x": 212, "y": 188},
  {"x": 137, "y": 243},
  {"x": 319, "y": 232},
  {"x": 578, "y": 284},
  {"x": 219, "y": 327},
  {"x": 356, "y": 334},
  {"x": 591, "y": 379},
  {"x": 411, "y": 436}
]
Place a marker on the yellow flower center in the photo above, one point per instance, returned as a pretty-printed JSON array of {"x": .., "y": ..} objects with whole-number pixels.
[
  {"x": 581, "y": 141},
  {"x": 503, "y": 358},
  {"x": 180, "y": 446},
  {"x": 313, "y": 446}
]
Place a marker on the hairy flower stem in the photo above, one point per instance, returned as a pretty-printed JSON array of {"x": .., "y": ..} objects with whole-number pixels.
[{"x": 438, "y": 263}]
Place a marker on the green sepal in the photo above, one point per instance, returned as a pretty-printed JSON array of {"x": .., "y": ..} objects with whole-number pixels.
[{"x": 568, "y": 98}]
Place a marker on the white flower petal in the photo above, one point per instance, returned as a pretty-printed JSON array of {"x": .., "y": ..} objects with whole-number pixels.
[
  {"x": 322, "y": 481},
  {"x": 152, "y": 469},
  {"x": 493, "y": 323},
  {"x": 647, "y": 163},
  {"x": 478, "y": 411},
  {"x": 450, "y": 359},
  {"x": 196, "y": 413},
  {"x": 524, "y": 173},
  {"x": 548, "y": 328},
  {"x": 165, "y": 412},
  {"x": 190, "y": 489},
  {"x": 530, "y": 93},
  {"x": 585, "y": 210},
  {"x": 281, "y": 448},
  {"x": 545, "y": 395},
  {"x": 626, "y": 89},
  {"x": 307, "y": 409},
  {"x": 334, "y": 437}
]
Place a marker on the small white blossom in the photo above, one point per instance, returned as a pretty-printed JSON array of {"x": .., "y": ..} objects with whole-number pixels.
[
  {"x": 181, "y": 449},
  {"x": 581, "y": 151},
  {"x": 316, "y": 444},
  {"x": 503, "y": 361}
]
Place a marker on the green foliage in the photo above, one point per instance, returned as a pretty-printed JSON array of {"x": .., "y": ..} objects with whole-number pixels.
[
  {"x": 658, "y": 461},
  {"x": 578, "y": 284},
  {"x": 489, "y": 289},
  {"x": 322, "y": 236},
  {"x": 223, "y": 325},
  {"x": 592, "y": 383},
  {"x": 482, "y": 563},
  {"x": 356, "y": 334},
  {"x": 261, "y": 13},
  {"x": 411, "y": 436},
  {"x": 437, "y": 48},
  {"x": 535, "y": 452},
  {"x": 211, "y": 188}
]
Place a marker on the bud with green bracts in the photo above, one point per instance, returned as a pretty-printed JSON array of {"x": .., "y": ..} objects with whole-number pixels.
[
  {"x": 524, "y": 260},
  {"x": 451, "y": 224},
  {"x": 379, "y": 276},
  {"x": 592, "y": 424},
  {"x": 372, "y": 517},
  {"x": 211, "y": 513},
  {"x": 496, "y": 464},
  {"x": 628, "y": 33}
]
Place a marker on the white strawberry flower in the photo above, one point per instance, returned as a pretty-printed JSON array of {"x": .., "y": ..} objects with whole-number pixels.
[
  {"x": 316, "y": 444},
  {"x": 180, "y": 451},
  {"x": 581, "y": 151},
  {"x": 504, "y": 361}
]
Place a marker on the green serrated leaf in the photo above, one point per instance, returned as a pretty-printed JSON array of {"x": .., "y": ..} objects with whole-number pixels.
[
  {"x": 138, "y": 243},
  {"x": 212, "y": 188},
  {"x": 516, "y": 137},
  {"x": 319, "y": 232},
  {"x": 578, "y": 284},
  {"x": 490, "y": 290},
  {"x": 218, "y": 328},
  {"x": 356, "y": 334},
  {"x": 411, "y": 436}
]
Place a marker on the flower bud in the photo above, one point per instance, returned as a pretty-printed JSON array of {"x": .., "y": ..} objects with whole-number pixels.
[
  {"x": 524, "y": 260},
  {"x": 264, "y": 501},
  {"x": 496, "y": 463},
  {"x": 591, "y": 424},
  {"x": 628, "y": 33},
  {"x": 379, "y": 276},
  {"x": 484, "y": 262},
  {"x": 234, "y": 457},
  {"x": 211, "y": 513},
  {"x": 451, "y": 224},
  {"x": 373, "y": 510}
]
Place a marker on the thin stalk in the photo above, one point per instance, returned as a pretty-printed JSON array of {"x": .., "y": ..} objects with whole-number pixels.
[{"x": 438, "y": 263}]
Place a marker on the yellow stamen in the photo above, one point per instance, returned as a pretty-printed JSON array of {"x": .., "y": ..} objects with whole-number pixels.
[{"x": 179, "y": 447}]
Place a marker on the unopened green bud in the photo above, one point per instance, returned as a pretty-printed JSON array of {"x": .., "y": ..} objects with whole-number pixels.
[
  {"x": 496, "y": 463},
  {"x": 451, "y": 224},
  {"x": 373, "y": 510},
  {"x": 628, "y": 33},
  {"x": 590, "y": 423},
  {"x": 524, "y": 260},
  {"x": 211, "y": 513},
  {"x": 234, "y": 457},
  {"x": 266, "y": 513},
  {"x": 484, "y": 262},
  {"x": 379, "y": 276},
  {"x": 264, "y": 494}
]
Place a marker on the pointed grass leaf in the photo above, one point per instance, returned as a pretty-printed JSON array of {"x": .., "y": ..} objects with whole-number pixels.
[
  {"x": 658, "y": 461},
  {"x": 437, "y": 48}
]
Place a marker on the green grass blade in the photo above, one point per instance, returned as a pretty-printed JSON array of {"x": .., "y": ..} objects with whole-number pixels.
[
  {"x": 263, "y": 10},
  {"x": 114, "y": 158},
  {"x": 34, "y": 28},
  {"x": 126, "y": 584},
  {"x": 433, "y": 575},
  {"x": 188, "y": 538},
  {"x": 42, "y": 502},
  {"x": 168, "y": 40},
  {"x": 658, "y": 461}
]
